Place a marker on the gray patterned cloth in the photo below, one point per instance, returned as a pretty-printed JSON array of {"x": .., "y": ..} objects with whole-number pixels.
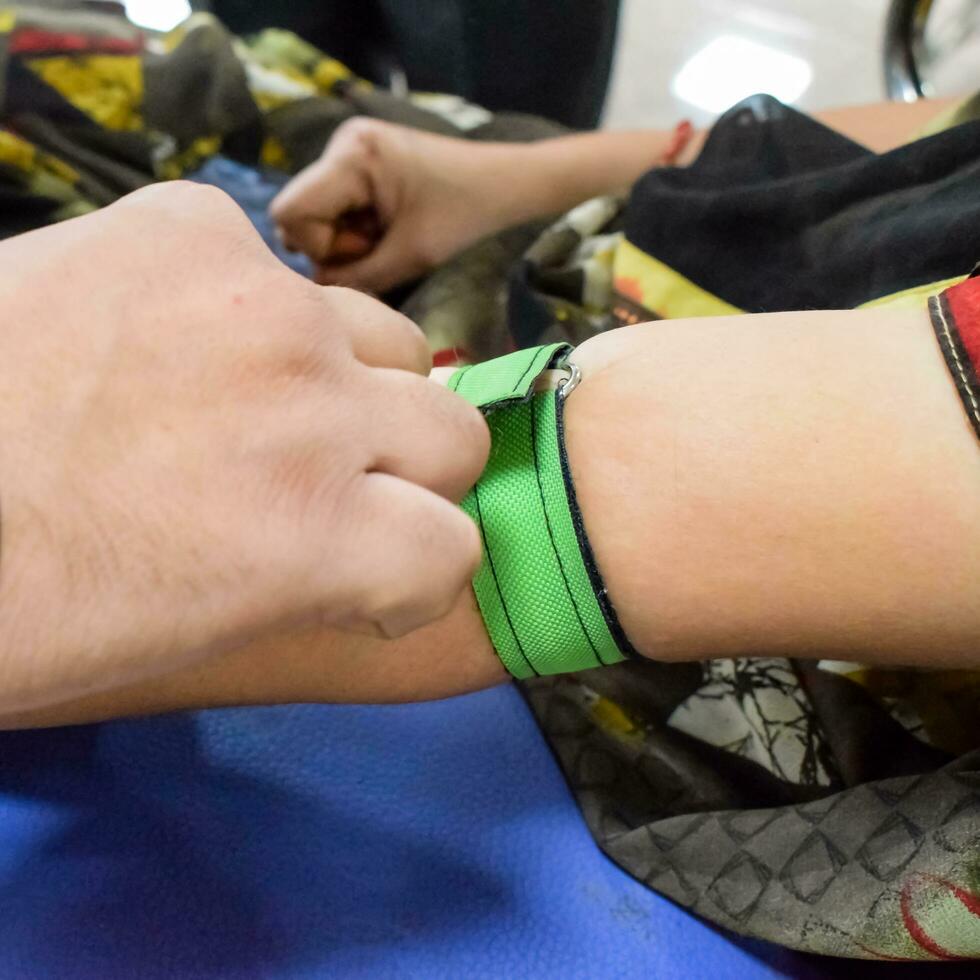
[
  {"x": 716, "y": 784},
  {"x": 824, "y": 806}
]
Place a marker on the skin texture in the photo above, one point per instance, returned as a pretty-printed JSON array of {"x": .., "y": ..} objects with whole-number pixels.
[
  {"x": 828, "y": 510},
  {"x": 824, "y": 510},
  {"x": 790, "y": 484},
  {"x": 385, "y": 204},
  {"x": 198, "y": 447}
]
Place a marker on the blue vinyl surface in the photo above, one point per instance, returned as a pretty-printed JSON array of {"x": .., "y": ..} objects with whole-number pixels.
[
  {"x": 433, "y": 840},
  {"x": 422, "y": 841}
]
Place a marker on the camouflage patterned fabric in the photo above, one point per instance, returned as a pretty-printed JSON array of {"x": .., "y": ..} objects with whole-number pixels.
[
  {"x": 92, "y": 108},
  {"x": 825, "y": 806}
]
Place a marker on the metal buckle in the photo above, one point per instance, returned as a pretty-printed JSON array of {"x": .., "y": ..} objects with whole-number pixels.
[{"x": 572, "y": 382}]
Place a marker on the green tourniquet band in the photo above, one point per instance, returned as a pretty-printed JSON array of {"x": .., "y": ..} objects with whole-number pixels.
[
  {"x": 504, "y": 380},
  {"x": 532, "y": 587}
]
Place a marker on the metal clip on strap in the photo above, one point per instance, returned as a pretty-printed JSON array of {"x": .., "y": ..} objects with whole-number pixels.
[{"x": 538, "y": 589}]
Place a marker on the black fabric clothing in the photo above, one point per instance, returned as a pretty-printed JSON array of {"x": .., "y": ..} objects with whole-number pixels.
[
  {"x": 781, "y": 213},
  {"x": 537, "y": 56}
]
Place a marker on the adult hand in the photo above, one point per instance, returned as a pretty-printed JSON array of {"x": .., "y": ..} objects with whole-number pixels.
[
  {"x": 385, "y": 203},
  {"x": 198, "y": 446}
]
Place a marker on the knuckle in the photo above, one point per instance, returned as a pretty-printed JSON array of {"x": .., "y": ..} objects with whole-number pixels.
[
  {"x": 472, "y": 436},
  {"x": 409, "y": 334},
  {"x": 455, "y": 539},
  {"x": 357, "y": 308},
  {"x": 281, "y": 208},
  {"x": 476, "y": 439},
  {"x": 305, "y": 328},
  {"x": 461, "y": 547},
  {"x": 307, "y": 481},
  {"x": 302, "y": 310},
  {"x": 403, "y": 614},
  {"x": 188, "y": 204},
  {"x": 357, "y": 128},
  {"x": 291, "y": 371},
  {"x": 200, "y": 196},
  {"x": 207, "y": 196},
  {"x": 470, "y": 550},
  {"x": 404, "y": 598},
  {"x": 331, "y": 310},
  {"x": 389, "y": 606},
  {"x": 412, "y": 336},
  {"x": 341, "y": 295}
]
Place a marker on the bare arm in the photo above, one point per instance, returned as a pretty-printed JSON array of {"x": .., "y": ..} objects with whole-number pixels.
[
  {"x": 554, "y": 175},
  {"x": 883, "y": 126},
  {"x": 807, "y": 484},
  {"x": 386, "y": 203},
  {"x": 801, "y": 484}
]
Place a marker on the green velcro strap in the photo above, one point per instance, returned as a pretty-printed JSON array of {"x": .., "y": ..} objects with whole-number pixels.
[
  {"x": 533, "y": 587},
  {"x": 505, "y": 380}
]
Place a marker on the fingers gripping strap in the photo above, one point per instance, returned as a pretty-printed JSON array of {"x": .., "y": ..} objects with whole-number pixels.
[
  {"x": 506, "y": 380},
  {"x": 533, "y": 587}
]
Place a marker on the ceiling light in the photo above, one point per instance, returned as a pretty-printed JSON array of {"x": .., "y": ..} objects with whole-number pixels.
[
  {"x": 158, "y": 15},
  {"x": 730, "y": 68}
]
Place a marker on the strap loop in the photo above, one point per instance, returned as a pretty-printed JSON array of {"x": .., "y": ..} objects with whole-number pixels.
[
  {"x": 537, "y": 595},
  {"x": 508, "y": 379}
]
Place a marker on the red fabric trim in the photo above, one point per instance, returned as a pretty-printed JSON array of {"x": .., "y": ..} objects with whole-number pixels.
[
  {"x": 679, "y": 139},
  {"x": 964, "y": 304},
  {"x": 450, "y": 357},
  {"x": 919, "y": 936},
  {"x": 925, "y": 882},
  {"x": 34, "y": 40}
]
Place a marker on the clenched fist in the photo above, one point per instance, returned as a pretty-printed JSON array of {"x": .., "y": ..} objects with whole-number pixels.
[
  {"x": 198, "y": 446},
  {"x": 386, "y": 203}
]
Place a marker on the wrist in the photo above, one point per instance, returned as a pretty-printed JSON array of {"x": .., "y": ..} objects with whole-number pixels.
[
  {"x": 33, "y": 601},
  {"x": 572, "y": 169},
  {"x": 512, "y": 183},
  {"x": 549, "y": 177}
]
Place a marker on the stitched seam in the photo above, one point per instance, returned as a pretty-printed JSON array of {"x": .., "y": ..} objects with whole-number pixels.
[
  {"x": 460, "y": 376},
  {"x": 606, "y": 606},
  {"x": 513, "y": 388},
  {"x": 496, "y": 582},
  {"x": 554, "y": 547},
  {"x": 964, "y": 378}
]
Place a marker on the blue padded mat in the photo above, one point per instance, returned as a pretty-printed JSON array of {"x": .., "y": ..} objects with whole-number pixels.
[
  {"x": 422, "y": 841},
  {"x": 428, "y": 841}
]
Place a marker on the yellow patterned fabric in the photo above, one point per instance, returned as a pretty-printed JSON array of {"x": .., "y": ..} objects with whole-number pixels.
[
  {"x": 93, "y": 108},
  {"x": 640, "y": 280},
  {"x": 107, "y": 88}
]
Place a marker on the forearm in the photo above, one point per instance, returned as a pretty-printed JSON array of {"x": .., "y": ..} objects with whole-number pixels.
[
  {"x": 799, "y": 484},
  {"x": 882, "y": 126},
  {"x": 534, "y": 180},
  {"x": 451, "y": 656},
  {"x": 552, "y": 176}
]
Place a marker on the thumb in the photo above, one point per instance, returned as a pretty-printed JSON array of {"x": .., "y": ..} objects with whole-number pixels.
[
  {"x": 312, "y": 237},
  {"x": 393, "y": 261},
  {"x": 306, "y": 211}
]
